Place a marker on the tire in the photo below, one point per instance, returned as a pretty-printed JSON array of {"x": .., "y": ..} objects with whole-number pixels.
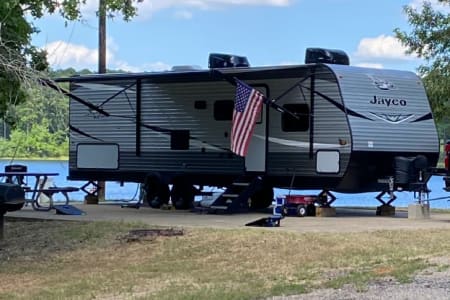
[
  {"x": 262, "y": 198},
  {"x": 311, "y": 210},
  {"x": 156, "y": 192},
  {"x": 302, "y": 211},
  {"x": 182, "y": 195},
  {"x": 14, "y": 207}
]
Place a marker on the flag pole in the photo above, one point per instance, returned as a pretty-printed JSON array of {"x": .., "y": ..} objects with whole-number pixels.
[{"x": 272, "y": 103}]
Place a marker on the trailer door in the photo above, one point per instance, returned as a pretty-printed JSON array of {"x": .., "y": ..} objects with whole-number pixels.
[{"x": 255, "y": 161}]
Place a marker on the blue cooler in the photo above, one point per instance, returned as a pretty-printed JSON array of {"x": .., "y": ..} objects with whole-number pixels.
[{"x": 278, "y": 207}]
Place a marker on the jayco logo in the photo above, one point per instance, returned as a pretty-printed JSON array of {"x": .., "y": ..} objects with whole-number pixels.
[
  {"x": 381, "y": 83},
  {"x": 388, "y": 101}
]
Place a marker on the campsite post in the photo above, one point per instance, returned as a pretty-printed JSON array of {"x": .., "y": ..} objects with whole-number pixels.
[{"x": 101, "y": 69}]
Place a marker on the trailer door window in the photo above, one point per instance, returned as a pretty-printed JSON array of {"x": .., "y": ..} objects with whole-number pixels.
[
  {"x": 290, "y": 123},
  {"x": 223, "y": 111}
]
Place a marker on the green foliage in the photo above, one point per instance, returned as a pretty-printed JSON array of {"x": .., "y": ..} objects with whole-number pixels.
[
  {"x": 38, "y": 118},
  {"x": 37, "y": 142},
  {"x": 15, "y": 37},
  {"x": 44, "y": 108},
  {"x": 19, "y": 58},
  {"x": 71, "y": 9},
  {"x": 39, "y": 126},
  {"x": 430, "y": 39}
]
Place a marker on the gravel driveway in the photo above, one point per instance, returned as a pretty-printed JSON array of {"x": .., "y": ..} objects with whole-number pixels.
[{"x": 430, "y": 285}]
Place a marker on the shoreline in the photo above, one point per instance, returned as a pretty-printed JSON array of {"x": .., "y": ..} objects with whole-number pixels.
[{"x": 35, "y": 159}]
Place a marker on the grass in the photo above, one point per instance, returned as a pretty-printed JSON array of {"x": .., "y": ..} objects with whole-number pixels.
[{"x": 76, "y": 260}]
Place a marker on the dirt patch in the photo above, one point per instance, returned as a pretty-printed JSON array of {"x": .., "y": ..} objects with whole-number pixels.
[{"x": 137, "y": 235}]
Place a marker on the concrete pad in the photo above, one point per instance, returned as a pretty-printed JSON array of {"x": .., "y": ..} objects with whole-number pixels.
[
  {"x": 419, "y": 211},
  {"x": 346, "y": 220}
]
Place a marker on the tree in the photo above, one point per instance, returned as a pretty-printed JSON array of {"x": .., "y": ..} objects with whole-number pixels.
[
  {"x": 430, "y": 39},
  {"x": 21, "y": 63}
]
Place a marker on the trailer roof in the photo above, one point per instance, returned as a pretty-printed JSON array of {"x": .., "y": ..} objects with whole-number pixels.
[{"x": 205, "y": 74}]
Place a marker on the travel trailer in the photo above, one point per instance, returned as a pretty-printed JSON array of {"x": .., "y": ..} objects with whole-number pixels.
[{"x": 327, "y": 126}]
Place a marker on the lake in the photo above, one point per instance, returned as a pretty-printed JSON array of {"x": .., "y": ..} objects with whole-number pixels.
[
  {"x": 130, "y": 191},
  {"x": 114, "y": 191}
]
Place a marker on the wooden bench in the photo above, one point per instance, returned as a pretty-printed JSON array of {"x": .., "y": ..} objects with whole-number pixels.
[{"x": 49, "y": 192}]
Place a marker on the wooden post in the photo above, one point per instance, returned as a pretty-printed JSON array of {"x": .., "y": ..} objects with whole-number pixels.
[
  {"x": 101, "y": 191},
  {"x": 2, "y": 225},
  {"x": 102, "y": 37}
]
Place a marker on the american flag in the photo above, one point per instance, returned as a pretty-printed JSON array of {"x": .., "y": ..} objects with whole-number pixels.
[{"x": 246, "y": 109}]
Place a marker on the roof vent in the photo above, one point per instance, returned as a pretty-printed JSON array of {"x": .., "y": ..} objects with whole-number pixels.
[
  {"x": 326, "y": 56},
  {"x": 218, "y": 60}
]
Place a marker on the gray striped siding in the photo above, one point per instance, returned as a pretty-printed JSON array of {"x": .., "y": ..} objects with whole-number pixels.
[
  {"x": 171, "y": 106},
  {"x": 403, "y": 137},
  {"x": 330, "y": 125},
  {"x": 110, "y": 129}
]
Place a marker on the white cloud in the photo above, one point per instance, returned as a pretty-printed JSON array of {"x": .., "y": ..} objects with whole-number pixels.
[
  {"x": 383, "y": 46},
  {"x": 370, "y": 65},
  {"x": 147, "y": 67},
  {"x": 157, "y": 66},
  {"x": 124, "y": 66},
  {"x": 63, "y": 55},
  {"x": 147, "y": 8}
]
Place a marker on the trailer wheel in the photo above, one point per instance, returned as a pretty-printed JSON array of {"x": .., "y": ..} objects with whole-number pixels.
[
  {"x": 156, "y": 192},
  {"x": 262, "y": 198},
  {"x": 182, "y": 195},
  {"x": 15, "y": 207},
  {"x": 301, "y": 211},
  {"x": 311, "y": 210},
  {"x": 160, "y": 196}
]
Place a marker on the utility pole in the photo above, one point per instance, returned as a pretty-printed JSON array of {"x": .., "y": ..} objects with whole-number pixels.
[
  {"x": 101, "y": 37},
  {"x": 101, "y": 69}
]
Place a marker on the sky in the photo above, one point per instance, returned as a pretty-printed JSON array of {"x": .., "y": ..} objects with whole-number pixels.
[{"x": 169, "y": 33}]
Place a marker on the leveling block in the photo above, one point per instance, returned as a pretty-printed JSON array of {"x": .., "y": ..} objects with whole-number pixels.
[
  {"x": 272, "y": 221},
  {"x": 68, "y": 210},
  {"x": 275, "y": 219}
]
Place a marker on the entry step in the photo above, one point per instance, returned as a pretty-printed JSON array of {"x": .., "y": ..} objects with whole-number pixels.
[
  {"x": 219, "y": 207},
  {"x": 230, "y": 195},
  {"x": 241, "y": 183}
]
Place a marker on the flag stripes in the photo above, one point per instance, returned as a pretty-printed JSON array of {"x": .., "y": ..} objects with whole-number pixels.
[{"x": 246, "y": 109}]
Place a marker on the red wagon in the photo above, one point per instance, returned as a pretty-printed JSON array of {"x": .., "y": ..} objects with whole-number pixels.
[{"x": 300, "y": 205}]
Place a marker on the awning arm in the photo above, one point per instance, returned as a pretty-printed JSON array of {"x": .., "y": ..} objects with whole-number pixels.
[{"x": 51, "y": 84}]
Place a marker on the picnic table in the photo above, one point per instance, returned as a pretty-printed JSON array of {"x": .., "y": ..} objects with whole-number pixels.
[{"x": 39, "y": 188}]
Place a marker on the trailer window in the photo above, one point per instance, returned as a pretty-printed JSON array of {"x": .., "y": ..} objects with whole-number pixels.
[
  {"x": 200, "y": 104},
  {"x": 290, "y": 123},
  {"x": 223, "y": 110}
]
